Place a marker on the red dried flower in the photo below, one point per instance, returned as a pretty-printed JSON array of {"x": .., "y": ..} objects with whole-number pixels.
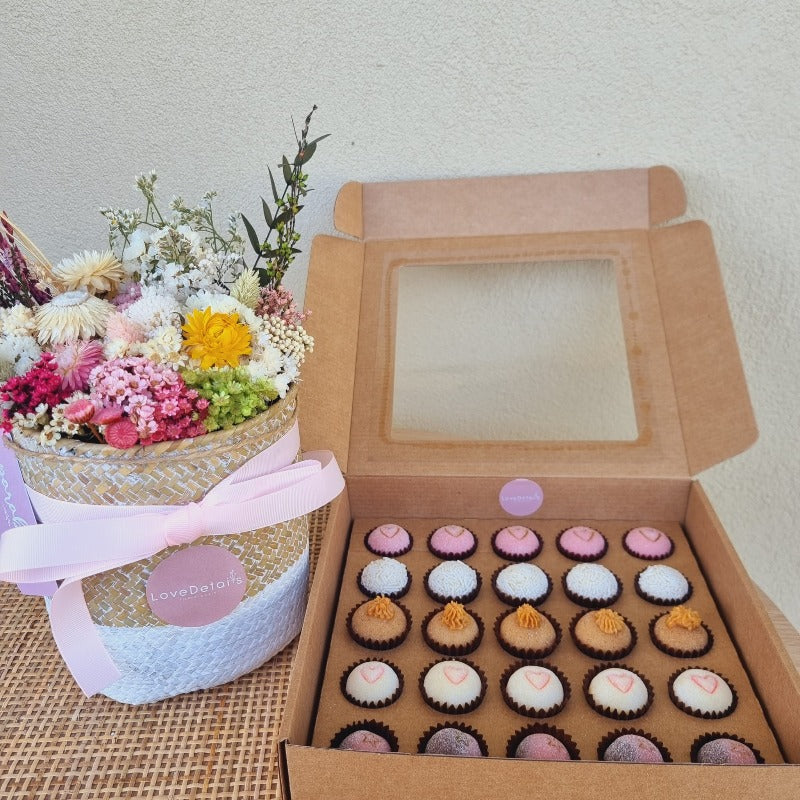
[
  {"x": 80, "y": 411},
  {"x": 122, "y": 434},
  {"x": 106, "y": 415}
]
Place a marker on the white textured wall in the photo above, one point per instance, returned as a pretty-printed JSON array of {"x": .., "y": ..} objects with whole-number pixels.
[{"x": 95, "y": 92}]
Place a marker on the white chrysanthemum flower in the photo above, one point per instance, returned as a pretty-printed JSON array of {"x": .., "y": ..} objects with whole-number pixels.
[
  {"x": 224, "y": 304},
  {"x": 154, "y": 309},
  {"x": 267, "y": 364},
  {"x": 246, "y": 288},
  {"x": 17, "y": 321},
  {"x": 281, "y": 384},
  {"x": 72, "y": 315},
  {"x": 164, "y": 347},
  {"x": 116, "y": 348},
  {"x": 90, "y": 270}
]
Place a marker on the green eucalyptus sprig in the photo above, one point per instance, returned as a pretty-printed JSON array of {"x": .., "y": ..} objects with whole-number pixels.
[{"x": 279, "y": 256}]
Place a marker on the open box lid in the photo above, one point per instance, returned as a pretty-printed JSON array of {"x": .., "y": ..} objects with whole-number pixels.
[{"x": 688, "y": 392}]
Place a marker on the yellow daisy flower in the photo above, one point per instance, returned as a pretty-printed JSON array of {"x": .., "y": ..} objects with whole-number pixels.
[{"x": 214, "y": 339}]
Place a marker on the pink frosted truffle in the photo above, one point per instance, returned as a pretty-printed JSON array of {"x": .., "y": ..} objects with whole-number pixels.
[
  {"x": 582, "y": 543},
  {"x": 634, "y": 750},
  {"x": 389, "y": 540},
  {"x": 542, "y": 747},
  {"x": 365, "y": 741},
  {"x": 453, "y": 742},
  {"x": 649, "y": 543},
  {"x": 725, "y": 751},
  {"x": 516, "y": 542},
  {"x": 452, "y": 541}
]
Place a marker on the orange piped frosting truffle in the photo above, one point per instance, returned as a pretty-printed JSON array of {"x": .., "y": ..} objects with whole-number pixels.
[
  {"x": 526, "y": 632},
  {"x": 453, "y": 630},
  {"x": 683, "y": 617},
  {"x": 528, "y": 616},
  {"x": 609, "y": 621},
  {"x": 603, "y": 634},
  {"x": 681, "y": 632},
  {"x": 378, "y": 623},
  {"x": 381, "y": 607},
  {"x": 454, "y": 616}
]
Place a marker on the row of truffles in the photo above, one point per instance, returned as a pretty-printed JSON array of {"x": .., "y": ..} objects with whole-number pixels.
[
  {"x": 519, "y": 543},
  {"x": 588, "y": 585},
  {"x": 541, "y": 742},
  {"x": 539, "y": 690}
]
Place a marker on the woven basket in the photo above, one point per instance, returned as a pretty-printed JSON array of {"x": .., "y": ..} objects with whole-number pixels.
[{"x": 275, "y": 559}]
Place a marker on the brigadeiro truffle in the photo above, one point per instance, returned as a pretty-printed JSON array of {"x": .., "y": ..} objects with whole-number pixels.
[
  {"x": 452, "y": 630},
  {"x": 386, "y": 576},
  {"x": 522, "y": 583},
  {"x": 535, "y": 690},
  {"x": 372, "y": 684},
  {"x": 379, "y": 624},
  {"x": 617, "y": 691},
  {"x": 632, "y": 747},
  {"x": 663, "y": 585},
  {"x": 591, "y": 585},
  {"x": 527, "y": 633},
  {"x": 650, "y": 544},
  {"x": 452, "y": 542},
  {"x": 581, "y": 543},
  {"x": 367, "y": 736},
  {"x": 702, "y": 693},
  {"x": 452, "y": 687},
  {"x": 724, "y": 748},
  {"x": 681, "y": 633},
  {"x": 453, "y": 580},
  {"x": 388, "y": 540},
  {"x": 603, "y": 633},
  {"x": 453, "y": 739},
  {"x": 516, "y": 543},
  {"x": 540, "y": 742}
]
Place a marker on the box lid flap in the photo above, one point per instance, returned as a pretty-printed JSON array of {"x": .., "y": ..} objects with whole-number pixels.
[{"x": 677, "y": 329}]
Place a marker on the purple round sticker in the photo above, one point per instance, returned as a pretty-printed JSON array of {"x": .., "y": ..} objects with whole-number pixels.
[
  {"x": 196, "y": 586},
  {"x": 521, "y": 497}
]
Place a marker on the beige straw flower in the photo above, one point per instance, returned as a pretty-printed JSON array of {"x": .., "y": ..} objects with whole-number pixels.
[
  {"x": 70, "y": 316},
  {"x": 90, "y": 270}
]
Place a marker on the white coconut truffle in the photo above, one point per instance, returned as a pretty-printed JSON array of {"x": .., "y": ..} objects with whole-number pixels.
[
  {"x": 386, "y": 576},
  {"x": 523, "y": 582},
  {"x": 664, "y": 584},
  {"x": 453, "y": 580},
  {"x": 593, "y": 582}
]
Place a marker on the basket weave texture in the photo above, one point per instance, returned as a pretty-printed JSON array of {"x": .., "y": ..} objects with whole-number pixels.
[{"x": 167, "y": 473}]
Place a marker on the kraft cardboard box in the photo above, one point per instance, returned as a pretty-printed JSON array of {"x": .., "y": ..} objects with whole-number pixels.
[{"x": 691, "y": 411}]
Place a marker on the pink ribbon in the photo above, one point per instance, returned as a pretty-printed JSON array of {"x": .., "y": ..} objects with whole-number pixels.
[{"x": 79, "y": 540}]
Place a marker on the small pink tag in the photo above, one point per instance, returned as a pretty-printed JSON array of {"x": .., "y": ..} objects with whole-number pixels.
[
  {"x": 707, "y": 682},
  {"x": 17, "y": 510},
  {"x": 196, "y": 586},
  {"x": 372, "y": 672},
  {"x": 537, "y": 678},
  {"x": 455, "y": 675},
  {"x": 621, "y": 681},
  {"x": 521, "y": 497}
]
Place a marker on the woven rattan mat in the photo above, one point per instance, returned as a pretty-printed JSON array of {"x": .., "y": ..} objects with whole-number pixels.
[{"x": 56, "y": 744}]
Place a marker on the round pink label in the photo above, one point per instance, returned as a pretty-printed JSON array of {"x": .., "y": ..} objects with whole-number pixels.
[
  {"x": 521, "y": 497},
  {"x": 196, "y": 586}
]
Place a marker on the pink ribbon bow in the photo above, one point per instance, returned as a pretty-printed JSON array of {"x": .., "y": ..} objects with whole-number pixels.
[{"x": 77, "y": 541}]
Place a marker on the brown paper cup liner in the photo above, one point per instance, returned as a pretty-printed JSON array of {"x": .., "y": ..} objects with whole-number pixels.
[
  {"x": 509, "y": 600},
  {"x": 583, "y": 559},
  {"x": 703, "y": 714},
  {"x": 526, "y": 711},
  {"x": 516, "y": 558},
  {"x": 390, "y": 555},
  {"x": 370, "y": 725},
  {"x": 610, "y": 712},
  {"x": 607, "y": 655},
  {"x": 383, "y": 703},
  {"x": 450, "y": 556},
  {"x": 539, "y": 727},
  {"x": 708, "y": 737},
  {"x": 452, "y": 650},
  {"x": 440, "y": 598},
  {"x": 392, "y": 595},
  {"x": 603, "y": 744},
  {"x": 656, "y": 601},
  {"x": 527, "y": 655},
  {"x": 587, "y": 602},
  {"x": 647, "y": 558},
  {"x": 423, "y": 740},
  {"x": 372, "y": 644},
  {"x": 447, "y": 708},
  {"x": 671, "y": 651}
]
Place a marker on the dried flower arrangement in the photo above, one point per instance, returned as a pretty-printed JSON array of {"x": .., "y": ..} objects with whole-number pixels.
[{"x": 168, "y": 334}]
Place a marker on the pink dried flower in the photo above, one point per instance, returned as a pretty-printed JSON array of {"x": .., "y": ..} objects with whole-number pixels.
[
  {"x": 127, "y": 295},
  {"x": 80, "y": 411},
  {"x": 122, "y": 434},
  {"x": 75, "y": 361},
  {"x": 118, "y": 326},
  {"x": 107, "y": 415},
  {"x": 280, "y": 303}
]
